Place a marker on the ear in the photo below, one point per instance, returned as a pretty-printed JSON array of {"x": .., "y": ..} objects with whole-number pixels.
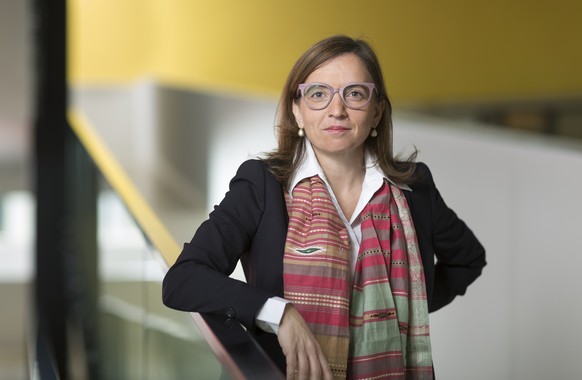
[
  {"x": 378, "y": 112},
  {"x": 297, "y": 113}
]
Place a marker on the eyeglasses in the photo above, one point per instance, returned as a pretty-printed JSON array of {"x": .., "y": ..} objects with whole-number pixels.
[{"x": 318, "y": 96}]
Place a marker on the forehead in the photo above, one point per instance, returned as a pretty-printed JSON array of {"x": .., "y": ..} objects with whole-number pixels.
[{"x": 346, "y": 68}]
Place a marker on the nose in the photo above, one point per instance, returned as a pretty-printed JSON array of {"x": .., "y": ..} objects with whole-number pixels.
[{"x": 337, "y": 107}]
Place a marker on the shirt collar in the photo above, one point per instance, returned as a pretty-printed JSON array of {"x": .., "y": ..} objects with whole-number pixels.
[{"x": 309, "y": 167}]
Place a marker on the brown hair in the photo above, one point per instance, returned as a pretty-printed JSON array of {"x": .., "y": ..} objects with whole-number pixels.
[{"x": 284, "y": 161}]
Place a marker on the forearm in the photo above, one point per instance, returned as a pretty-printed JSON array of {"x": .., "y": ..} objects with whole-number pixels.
[{"x": 193, "y": 287}]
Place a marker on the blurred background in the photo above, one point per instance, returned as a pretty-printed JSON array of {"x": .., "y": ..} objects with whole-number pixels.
[{"x": 181, "y": 92}]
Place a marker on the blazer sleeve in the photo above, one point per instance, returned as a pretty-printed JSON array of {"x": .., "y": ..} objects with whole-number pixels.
[
  {"x": 198, "y": 281},
  {"x": 460, "y": 256}
]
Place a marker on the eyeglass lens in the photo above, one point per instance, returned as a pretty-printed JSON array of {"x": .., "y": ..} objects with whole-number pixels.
[{"x": 318, "y": 96}]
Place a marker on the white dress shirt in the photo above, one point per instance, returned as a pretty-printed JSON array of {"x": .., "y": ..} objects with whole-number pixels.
[{"x": 269, "y": 316}]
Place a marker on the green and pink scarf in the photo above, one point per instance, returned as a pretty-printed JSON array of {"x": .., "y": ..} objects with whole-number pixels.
[{"x": 375, "y": 327}]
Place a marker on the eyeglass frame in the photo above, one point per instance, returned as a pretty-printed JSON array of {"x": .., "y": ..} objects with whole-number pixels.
[{"x": 371, "y": 86}]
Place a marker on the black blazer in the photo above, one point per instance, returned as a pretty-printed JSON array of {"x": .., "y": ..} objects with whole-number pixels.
[{"x": 250, "y": 225}]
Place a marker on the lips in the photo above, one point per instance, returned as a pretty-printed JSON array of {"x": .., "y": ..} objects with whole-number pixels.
[{"x": 336, "y": 128}]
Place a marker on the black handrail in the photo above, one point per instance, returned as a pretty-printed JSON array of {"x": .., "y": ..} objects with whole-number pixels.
[
  {"x": 236, "y": 349},
  {"x": 44, "y": 365}
]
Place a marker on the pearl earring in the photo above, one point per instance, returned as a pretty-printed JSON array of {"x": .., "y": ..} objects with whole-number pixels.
[
  {"x": 373, "y": 132},
  {"x": 301, "y": 132}
]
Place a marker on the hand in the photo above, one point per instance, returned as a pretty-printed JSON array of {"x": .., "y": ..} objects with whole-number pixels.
[{"x": 304, "y": 357}]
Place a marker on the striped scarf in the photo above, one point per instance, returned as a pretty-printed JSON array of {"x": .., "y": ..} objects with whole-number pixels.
[{"x": 378, "y": 327}]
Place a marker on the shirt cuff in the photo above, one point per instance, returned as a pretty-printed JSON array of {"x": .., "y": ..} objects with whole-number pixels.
[{"x": 269, "y": 317}]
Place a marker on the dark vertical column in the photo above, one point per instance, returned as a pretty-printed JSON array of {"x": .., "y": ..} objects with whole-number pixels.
[
  {"x": 49, "y": 148},
  {"x": 65, "y": 291},
  {"x": 80, "y": 255}
]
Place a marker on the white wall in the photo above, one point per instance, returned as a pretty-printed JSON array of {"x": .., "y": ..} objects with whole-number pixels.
[
  {"x": 243, "y": 130},
  {"x": 522, "y": 196}
]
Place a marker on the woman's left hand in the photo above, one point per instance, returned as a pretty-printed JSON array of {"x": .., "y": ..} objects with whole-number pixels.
[{"x": 304, "y": 357}]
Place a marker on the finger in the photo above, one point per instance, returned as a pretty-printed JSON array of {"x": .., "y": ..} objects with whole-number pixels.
[
  {"x": 291, "y": 366},
  {"x": 315, "y": 369},
  {"x": 322, "y": 364},
  {"x": 325, "y": 369},
  {"x": 303, "y": 366}
]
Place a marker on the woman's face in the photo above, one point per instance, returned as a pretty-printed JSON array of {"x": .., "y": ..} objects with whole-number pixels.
[{"x": 338, "y": 130}]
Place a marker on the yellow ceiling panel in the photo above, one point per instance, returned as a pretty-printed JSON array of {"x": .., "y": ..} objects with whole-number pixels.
[{"x": 431, "y": 51}]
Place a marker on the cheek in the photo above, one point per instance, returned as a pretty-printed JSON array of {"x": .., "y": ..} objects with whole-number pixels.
[
  {"x": 366, "y": 122},
  {"x": 373, "y": 119},
  {"x": 309, "y": 119},
  {"x": 297, "y": 113}
]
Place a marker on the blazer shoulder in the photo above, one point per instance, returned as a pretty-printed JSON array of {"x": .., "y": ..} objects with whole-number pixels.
[
  {"x": 252, "y": 166},
  {"x": 422, "y": 176},
  {"x": 256, "y": 169},
  {"x": 258, "y": 173}
]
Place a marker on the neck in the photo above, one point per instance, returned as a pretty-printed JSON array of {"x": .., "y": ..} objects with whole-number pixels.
[
  {"x": 343, "y": 169},
  {"x": 345, "y": 176}
]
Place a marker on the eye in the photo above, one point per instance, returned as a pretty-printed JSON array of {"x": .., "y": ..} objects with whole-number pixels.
[
  {"x": 357, "y": 92},
  {"x": 317, "y": 93}
]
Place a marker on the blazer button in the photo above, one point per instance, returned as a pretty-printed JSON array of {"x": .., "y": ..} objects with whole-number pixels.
[
  {"x": 230, "y": 312},
  {"x": 229, "y": 323}
]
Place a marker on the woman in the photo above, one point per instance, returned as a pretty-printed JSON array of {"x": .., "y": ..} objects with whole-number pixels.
[{"x": 337, "y": 237}]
